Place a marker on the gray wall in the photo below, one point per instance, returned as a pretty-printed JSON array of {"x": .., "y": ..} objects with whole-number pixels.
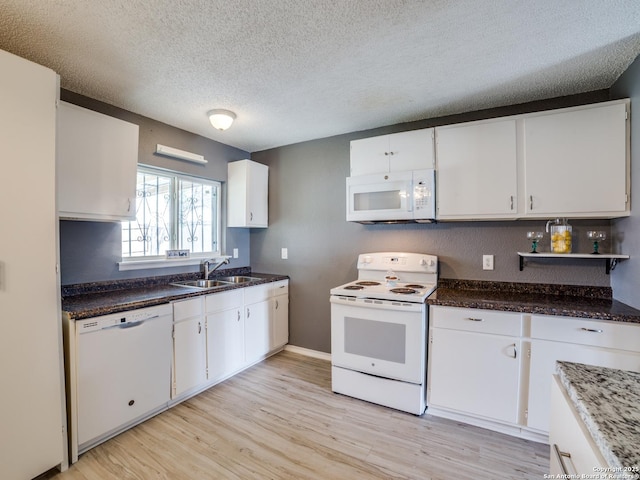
[
  {"x": 307, "y": 215},
  {"x": 626, "y": 280},
  {"x": 89, "y": 250}
]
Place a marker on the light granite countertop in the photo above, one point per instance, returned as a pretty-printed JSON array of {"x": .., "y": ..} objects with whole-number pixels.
[{"x": 608, "y": 401}]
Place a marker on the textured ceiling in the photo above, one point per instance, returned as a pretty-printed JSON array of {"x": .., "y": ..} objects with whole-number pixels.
[{"x": 295, "y": 70}]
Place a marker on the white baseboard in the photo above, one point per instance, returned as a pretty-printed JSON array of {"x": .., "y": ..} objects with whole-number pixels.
[{"x": 308, "y": 352}]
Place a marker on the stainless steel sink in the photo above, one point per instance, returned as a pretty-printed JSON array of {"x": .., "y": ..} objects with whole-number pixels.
[
  {"x": 238, "y": 279},
  {"x": 204, "y": 284}
]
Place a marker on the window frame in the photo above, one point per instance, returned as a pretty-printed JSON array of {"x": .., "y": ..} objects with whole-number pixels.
[{"x": 159, "y": 261}]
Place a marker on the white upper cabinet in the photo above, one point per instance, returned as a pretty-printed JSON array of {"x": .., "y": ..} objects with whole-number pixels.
[
  {"x": 576, "y": 162},
  {"x": 96, "y": 160},
  {"x": 248, "y": 190},
  {"x": 398, "y": 152},
  {"x": 477, "y": 174}
]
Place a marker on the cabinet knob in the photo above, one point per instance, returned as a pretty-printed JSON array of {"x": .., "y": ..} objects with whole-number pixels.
[{"x": 131, "y": 402}]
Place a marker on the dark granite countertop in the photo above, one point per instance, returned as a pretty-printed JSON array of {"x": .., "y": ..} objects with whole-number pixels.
[
  {"x": 608, "y": 402},
  {"x": 103, "y": 298},
  {"x": 563, "y": 300}
]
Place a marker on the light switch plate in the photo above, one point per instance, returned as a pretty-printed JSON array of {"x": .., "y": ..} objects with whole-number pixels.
[
  {"x": 284, "y": 253},
  {"x": 235, "y": 253}
]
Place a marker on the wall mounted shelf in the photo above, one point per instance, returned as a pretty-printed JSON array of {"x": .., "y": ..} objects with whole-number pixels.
[{"x": 611, "y": 260}]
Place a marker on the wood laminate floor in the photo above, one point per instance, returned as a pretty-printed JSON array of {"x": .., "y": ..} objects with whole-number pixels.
[{"x": 280, "y": 420}]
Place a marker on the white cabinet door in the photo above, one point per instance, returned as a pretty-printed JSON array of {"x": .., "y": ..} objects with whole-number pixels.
[
  {"x": 398, "y": 152},
  {"x": 280, "y": 321},
  {"x": 189, "y": 355},
  {"x": 97, "y": 160},
  {"x": 477, "y": 170},
  {"x": 248, "y": 185},
  {"x": 370, "y": 155},
  {"x": 473, "y": 373},
  {"x": 576, "y": 163},
  {"x": 31, "y": 417},
  {"x": 256, "y": 330},
  {"x": 225, "y": 343},
  {"x": 545, "y": 353}
]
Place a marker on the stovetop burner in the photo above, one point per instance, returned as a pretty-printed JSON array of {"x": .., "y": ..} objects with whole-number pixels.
[
  {"x": 403, "y": 290},
  {"x": 354, "y": 287},
  {"x": 414, "y": 285},
  {"x": 368, "y": 283}
]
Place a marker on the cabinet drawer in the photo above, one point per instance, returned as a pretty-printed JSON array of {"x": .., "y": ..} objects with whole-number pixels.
[
  {"x": 476, "y": 320},
  {"x": 599, "y": 333},
  {"x": 187, "y": 308},
  {"x": 223, "y": 301},
  {"x": 258, "y": 293},
  {"x": 279, "y": 288}
]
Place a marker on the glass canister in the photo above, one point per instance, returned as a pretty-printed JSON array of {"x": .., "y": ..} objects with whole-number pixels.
[{"x": 560, "y": 234}]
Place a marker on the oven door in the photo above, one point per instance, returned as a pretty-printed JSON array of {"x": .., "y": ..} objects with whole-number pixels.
[
  {"x": 380, "y": 197},
  {"x": 379, "y": 337}
]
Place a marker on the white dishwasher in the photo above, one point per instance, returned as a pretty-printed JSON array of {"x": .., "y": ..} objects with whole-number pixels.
[{"x": 122, "y": 373}]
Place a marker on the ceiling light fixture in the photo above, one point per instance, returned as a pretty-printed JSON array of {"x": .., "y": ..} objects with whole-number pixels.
[{"x": 221, "y": 119}]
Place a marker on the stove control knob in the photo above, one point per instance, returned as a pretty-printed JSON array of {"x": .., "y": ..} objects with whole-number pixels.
[
  {"x": 424, "y": 262},
  {"x": 366, "y": 259}
]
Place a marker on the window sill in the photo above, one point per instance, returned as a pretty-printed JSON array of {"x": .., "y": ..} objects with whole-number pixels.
[{"x": 164, "y": 263}]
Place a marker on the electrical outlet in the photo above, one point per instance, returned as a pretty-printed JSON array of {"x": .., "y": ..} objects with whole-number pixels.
[
  {"x": 235, "y": 253},
  {"x": 487, "y": 262},
  {"x": 284, "y": 253}
]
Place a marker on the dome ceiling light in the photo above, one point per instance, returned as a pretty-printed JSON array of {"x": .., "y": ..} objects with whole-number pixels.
[{"x": 221, "y": 119}]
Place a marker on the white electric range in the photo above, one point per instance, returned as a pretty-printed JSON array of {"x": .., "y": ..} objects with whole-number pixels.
[{"x": 379, "y": 325}]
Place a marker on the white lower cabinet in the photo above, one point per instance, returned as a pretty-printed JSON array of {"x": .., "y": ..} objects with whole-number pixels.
[
  {"x": 189, "y": 346},
  {"x": 475, "y": 363},
  {"x": 592, "y": 342},
  {"x": 495, "y": 369},
  {"x": 225, "y": 334},
  {"x": 218, "y": 335},
  {"x": 257, "y": 322},
  {"x": 279, "y": 314},
  {"x": 573, "y": 451}
]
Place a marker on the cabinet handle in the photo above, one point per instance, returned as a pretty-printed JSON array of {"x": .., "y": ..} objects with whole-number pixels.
[
  {"x": 593, "y": 330},
  {"x": 515, "y": 351},
  {"x": 251, "y": 216},
  {"x": 530, "y": 202},
  {"x": 199, "y": 328},
  {"x": 129, "y": 206},
  {"x": 561, "y": 456},
  {"x": 248, "y": 313},
  {"x": 276, "y": 304},
  {"x": 238, "y": 315},
  {"x": 475, "y": 319},
  {"x": 511, "y": 207}
]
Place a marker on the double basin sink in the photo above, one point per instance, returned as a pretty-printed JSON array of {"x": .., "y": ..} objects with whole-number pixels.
[{"x": 215, "y": 283}]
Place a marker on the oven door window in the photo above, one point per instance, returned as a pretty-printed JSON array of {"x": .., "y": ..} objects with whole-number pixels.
[{"x": 376, "y": 340}]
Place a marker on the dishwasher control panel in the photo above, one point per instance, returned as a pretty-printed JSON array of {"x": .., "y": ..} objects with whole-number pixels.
[{"x": 124, "y": 319}]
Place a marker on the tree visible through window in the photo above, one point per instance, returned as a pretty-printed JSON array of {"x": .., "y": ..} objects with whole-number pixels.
[{"x": 173, "y": 211}]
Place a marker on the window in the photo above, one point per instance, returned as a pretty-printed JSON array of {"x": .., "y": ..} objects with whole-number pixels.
[{"x": 173, "y": 211}]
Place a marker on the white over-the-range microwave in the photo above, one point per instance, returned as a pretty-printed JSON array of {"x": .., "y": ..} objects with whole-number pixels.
[{"x": 392, "y": 197}]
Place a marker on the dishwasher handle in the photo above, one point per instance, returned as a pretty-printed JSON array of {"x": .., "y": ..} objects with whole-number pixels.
[{"x": 129, "y": 324}]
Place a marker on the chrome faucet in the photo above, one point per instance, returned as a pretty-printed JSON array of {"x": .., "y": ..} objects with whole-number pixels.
[{"x": 208, "y": 271}]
